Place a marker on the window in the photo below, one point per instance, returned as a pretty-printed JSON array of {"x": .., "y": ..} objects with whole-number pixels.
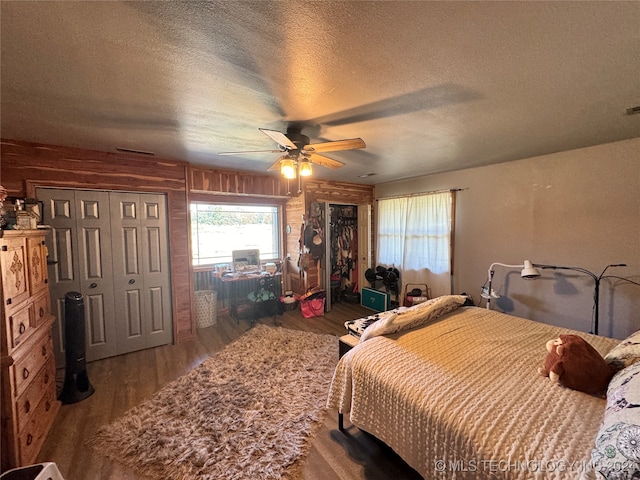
[
  {"x": 415, "y": 236},
  {"x": 217, "y": 229}
]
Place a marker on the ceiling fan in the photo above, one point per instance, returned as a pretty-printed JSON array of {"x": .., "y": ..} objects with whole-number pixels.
[{"x": 299, "y": 154}]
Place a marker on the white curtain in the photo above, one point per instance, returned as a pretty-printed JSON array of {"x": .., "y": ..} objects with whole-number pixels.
[{"x": 414, "y": 236}]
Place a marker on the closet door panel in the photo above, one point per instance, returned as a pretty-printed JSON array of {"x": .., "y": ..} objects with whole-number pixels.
[
  {"x": 128, "y": 279},
  {"x": 97, "y": 324},
  {"x": 96, "y": 272},
  {"x": 60, "y": 214},
  {"x": 130, "y": 251},
  {"x": 134, "y": 314},
  {"x": 64, "y": 266},
  {"x": 155, "y": 255},
  {"x": 157, "y": 314}
]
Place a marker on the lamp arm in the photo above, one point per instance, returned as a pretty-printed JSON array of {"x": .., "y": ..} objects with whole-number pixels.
[
  {"x": 490, "y": 272},
  {"x": 596, "y": 279},
  {"x": 560, "y": 267},
  {"x": 617, "y": 277},
  {"x": 612, "y": 265},
  {"x": 503, "y": 265}
]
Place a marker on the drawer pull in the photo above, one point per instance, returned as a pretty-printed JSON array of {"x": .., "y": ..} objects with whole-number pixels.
[
  {"x": 27, "y": 406},
  {"x": 41, "y": 312},
  {"x": 25, "y": 373},
  {"x": 29, "y": 439},
  {"x": 22, "y": 328},
  {"x": 93, "y": 285},
  {"x": 132, "y": 281}
]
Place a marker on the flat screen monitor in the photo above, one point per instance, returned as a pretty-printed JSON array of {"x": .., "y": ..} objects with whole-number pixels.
[{"x": 246, "y": 260}]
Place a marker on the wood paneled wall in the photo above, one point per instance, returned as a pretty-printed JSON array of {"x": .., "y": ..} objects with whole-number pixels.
[
  {"x": 26, "y": 166},
  {"x": 294, "y": 212},
  {"x": 207, "y": 180},
  {"x": 341, "y": 193},
  {"x": 337, "y": 192},
  {"x": 324, "y": 191}
]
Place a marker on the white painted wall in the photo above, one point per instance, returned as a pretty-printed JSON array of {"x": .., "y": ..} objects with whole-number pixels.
[{"x": 576, "y": 208}]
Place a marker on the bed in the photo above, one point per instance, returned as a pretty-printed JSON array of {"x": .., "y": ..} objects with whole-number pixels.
[{"x": 457, "y": 394}]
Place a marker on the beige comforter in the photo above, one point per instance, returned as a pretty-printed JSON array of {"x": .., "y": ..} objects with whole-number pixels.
[{"x": 461, "y": 398}]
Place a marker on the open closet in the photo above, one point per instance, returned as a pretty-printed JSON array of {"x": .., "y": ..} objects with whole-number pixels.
[{"x": 347, "y": 249}]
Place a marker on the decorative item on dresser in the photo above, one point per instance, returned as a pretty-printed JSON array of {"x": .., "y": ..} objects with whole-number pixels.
[{"x": 29, "y": 402}]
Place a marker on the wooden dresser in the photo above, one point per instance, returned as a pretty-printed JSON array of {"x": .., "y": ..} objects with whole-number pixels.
[{"x": 29, "y": 397}]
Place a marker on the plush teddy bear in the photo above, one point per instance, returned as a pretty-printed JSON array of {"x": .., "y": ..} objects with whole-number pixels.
[{"x": 575, "y": 364}]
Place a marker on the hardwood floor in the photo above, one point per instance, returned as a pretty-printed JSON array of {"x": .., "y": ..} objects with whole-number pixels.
[{"x": 124, "y": 381}]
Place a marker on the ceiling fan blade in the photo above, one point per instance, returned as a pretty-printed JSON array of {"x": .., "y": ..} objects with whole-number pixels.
[
  {"x": 275, "y": 166},
  {"x": 280, "y": 138},
  {"x": 419, "y": 100},
  {"x": 348, "y": 144},
  {"x": 324, "y": 161},
  {"x": 250, "y": 151}
]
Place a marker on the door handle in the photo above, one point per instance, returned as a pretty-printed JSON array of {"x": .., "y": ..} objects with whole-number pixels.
[
  {"x": 93, "y": 285},
  {"x": 132, "y": 281}
]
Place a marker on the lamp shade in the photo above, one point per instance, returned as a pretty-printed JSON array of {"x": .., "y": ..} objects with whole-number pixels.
[
  {"x": 529, "y": 271},
  {"x": 305, "y": 168},
  {"x": 287, "y": 168}
]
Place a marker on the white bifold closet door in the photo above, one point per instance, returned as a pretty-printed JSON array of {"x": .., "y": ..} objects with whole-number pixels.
[{"x": 113, "y": 248}]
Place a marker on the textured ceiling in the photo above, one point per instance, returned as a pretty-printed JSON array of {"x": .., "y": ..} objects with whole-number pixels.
[{"x": 429, "y": 86}]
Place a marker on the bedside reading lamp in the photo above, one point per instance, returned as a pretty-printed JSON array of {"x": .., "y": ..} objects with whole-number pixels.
[
  {"x": 596, "y": 279},
  {"x": 528, "y": 271}
]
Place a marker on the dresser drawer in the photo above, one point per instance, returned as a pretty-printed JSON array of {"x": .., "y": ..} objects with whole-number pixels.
[
  {"x": 44, "y": 385},
  {"x": 31, "y": 438},
  {"x": 26, "y": 368},
  {"x": 28, "y": 400},
  {"x": 19, "y": 327},
  {"x": 41, "y": 308}
]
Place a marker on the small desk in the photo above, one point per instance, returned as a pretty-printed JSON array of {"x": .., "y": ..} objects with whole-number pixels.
[{"x": 235, "y": 289}]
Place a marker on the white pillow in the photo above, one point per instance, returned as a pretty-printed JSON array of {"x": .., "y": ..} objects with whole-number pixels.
[
  {"x": 381, "y": 327},
  {"x": 415, "y": 316}
]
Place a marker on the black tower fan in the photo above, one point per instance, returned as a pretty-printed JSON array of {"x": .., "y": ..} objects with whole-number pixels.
[{"x": 76, "y": 381}]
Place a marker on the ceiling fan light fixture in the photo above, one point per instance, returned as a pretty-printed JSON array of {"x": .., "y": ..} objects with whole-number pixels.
[
  {"x": 305, "y": 168},
  {"x": 298, "y": 154},
  {"x": 287, "y": 168}
]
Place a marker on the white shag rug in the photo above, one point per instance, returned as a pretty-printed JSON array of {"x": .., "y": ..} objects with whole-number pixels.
[{"x": 248, "y": 412}]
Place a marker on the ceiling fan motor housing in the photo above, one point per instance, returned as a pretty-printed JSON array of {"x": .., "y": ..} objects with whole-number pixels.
[{"x": 297, "y": 138}]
